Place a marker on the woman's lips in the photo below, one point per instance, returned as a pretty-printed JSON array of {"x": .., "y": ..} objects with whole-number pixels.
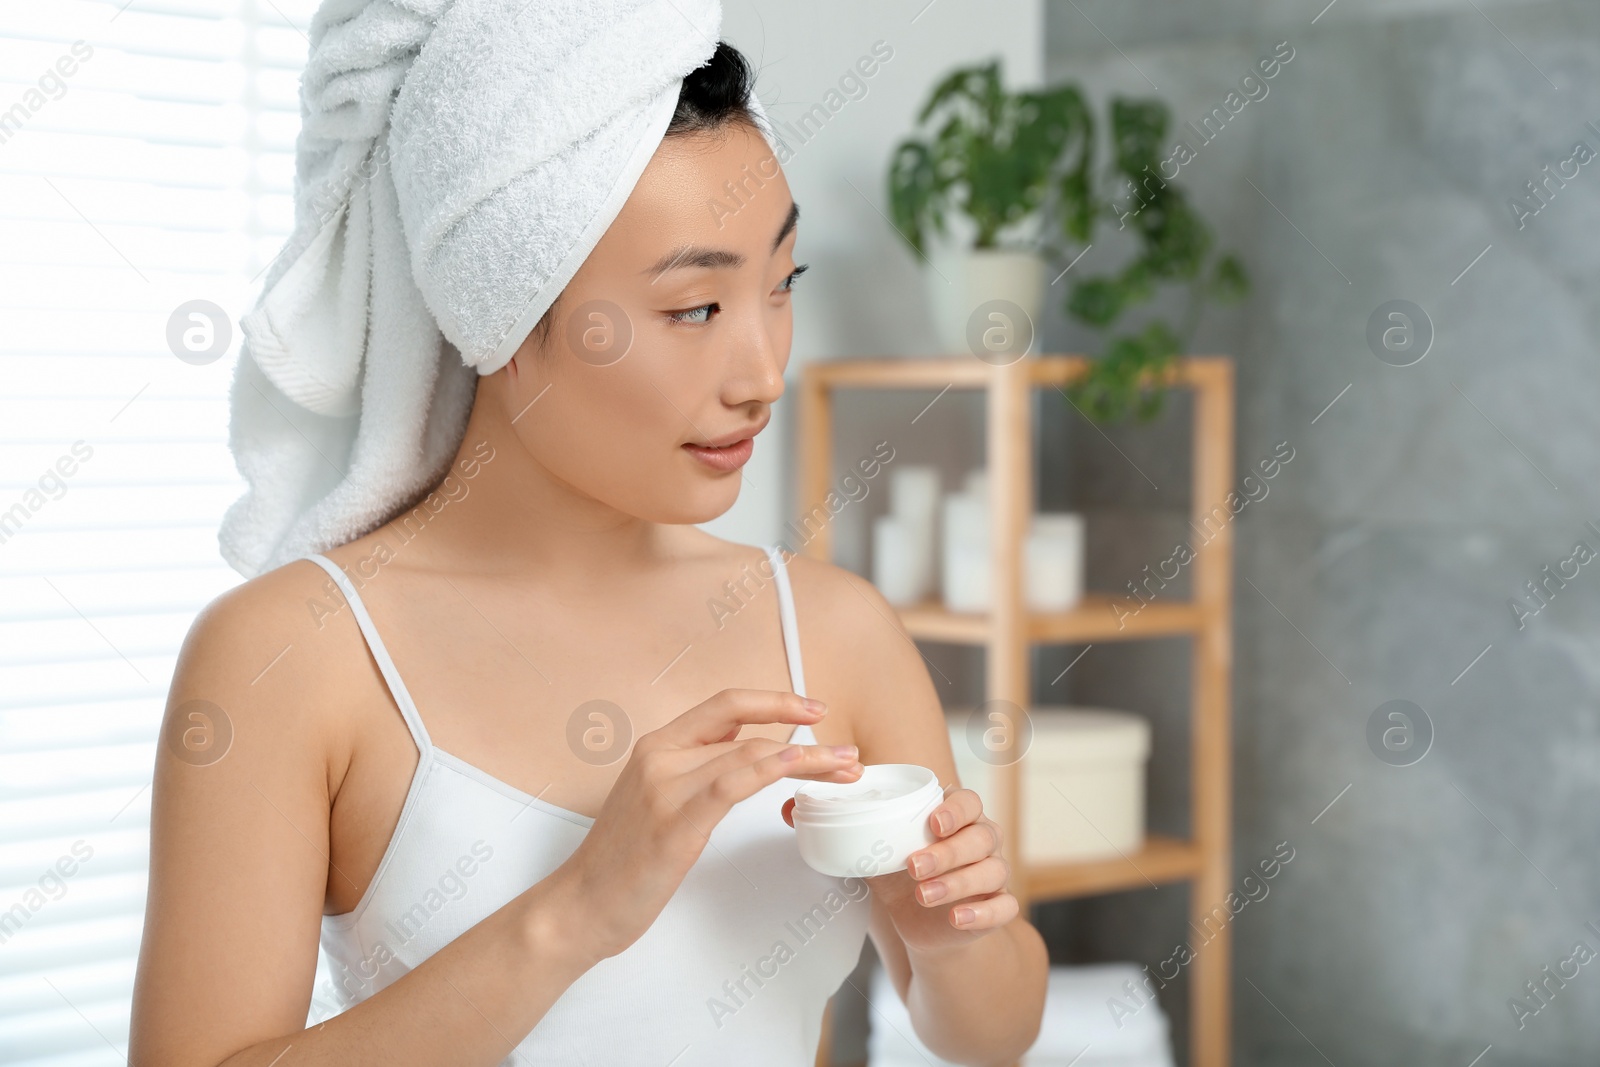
[{"x": 730, "y": 458}]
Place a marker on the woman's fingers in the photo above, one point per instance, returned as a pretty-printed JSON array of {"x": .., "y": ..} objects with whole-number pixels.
[
  {"x": 720, "y": 716},
  {"x": 825, "y": 763},
  {"x": 750, "y": 766},
  {"x": 986, "y": 913},
  {"x": 956, "y": 810},
  {"x": 679, "y": 782},
  {"x": 979, "y": 879},
  {"x": 967, "y": 845},
  {"x": 685, "y": 761}
]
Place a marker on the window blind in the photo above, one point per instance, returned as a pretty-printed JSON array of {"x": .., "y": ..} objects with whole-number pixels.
[{"x": 146, "y": 161}]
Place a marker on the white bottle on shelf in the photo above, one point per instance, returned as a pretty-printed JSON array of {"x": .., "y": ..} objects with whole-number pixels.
[
  {"x": 895, "y": 562},
  {"x": 1054, "y": 561},
  {"x": 965, "y": 577},
  {"x": 914, "y": 501}
]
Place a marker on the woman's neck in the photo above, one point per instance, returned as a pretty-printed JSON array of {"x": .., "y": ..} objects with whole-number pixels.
[{"x": 500, "y": 511}]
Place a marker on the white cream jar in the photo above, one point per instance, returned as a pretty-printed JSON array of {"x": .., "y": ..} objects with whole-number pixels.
[{"x": 867, "y": 827}]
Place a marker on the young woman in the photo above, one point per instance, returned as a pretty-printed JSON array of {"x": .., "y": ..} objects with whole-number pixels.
[{"x": 521, "y": 759}]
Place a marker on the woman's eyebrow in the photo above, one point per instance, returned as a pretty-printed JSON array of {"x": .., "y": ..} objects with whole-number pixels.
[
  {"x": 788, "y": 224},
  {"x": 698, "y": 256}
]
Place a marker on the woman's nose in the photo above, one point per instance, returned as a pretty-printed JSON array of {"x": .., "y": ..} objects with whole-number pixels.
[{"x": 761, "y": 360}]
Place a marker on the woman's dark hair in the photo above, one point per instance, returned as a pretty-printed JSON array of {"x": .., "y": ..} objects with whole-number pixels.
[
  {"x": 715, "y": 95},
  {"x": 710, "y": 99}
]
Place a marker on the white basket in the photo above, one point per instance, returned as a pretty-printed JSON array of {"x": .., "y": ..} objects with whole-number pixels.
[{"x": 1083, "y": 780}]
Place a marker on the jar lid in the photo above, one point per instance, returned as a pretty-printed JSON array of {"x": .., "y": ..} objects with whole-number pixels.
[{"x": 883, "y": 788}]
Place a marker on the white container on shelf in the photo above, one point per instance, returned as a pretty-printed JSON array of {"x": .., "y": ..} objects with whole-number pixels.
[
  {"x": 966, "y": 519},
  {"x": 966, "y": 577},
  {"x": 895, "y": 562},
  {"x": 914, "y": 500},
  {"x": 1054, "y": 561},
  {"x": 964, "y": 574},
  {"x": 1083, "y": 781}
]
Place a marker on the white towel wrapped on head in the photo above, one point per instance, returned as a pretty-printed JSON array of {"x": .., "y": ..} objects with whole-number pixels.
[{"x": 457, "y": 162}]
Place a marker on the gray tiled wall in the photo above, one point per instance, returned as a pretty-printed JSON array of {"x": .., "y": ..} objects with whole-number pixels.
[{"x": 1382, "y": 562}]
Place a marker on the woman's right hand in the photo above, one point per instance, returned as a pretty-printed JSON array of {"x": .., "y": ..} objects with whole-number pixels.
[{"x": 677, "y": 785}]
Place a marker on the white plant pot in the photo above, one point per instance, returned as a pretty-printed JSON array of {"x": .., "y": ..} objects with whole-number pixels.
[{"x": 962, "y": 287}]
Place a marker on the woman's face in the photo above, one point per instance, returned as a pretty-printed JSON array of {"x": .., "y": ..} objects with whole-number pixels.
[{"x": 674, "y": 333}]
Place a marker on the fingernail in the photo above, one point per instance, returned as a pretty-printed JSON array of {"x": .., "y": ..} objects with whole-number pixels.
[
  {"x": 932, "y": 892},
  {"x": 943, "y": 819},
  {"x": 921, "y": 864},
  {"x": 963, "y": 916},
  {"x": 790, "y": 754},
  {"x": 845, "y": 751},
  {"x": 816, "y": 707}
]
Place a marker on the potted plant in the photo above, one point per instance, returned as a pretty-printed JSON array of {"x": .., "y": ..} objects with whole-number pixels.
[{"x": 1019, "y": 167}]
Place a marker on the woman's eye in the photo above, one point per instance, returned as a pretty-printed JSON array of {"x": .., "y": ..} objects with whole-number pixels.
[
  {"x": 687, "y": 317},
  {"x": 788, "y": 282},
  {"x": 699, "y": 316}
]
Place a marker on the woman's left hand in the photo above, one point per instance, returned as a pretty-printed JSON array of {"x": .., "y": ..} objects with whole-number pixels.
[{"x": 952, "y": 892}]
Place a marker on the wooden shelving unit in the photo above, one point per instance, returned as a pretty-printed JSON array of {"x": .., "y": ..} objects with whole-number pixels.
[{"x": 1010, "y": 630}]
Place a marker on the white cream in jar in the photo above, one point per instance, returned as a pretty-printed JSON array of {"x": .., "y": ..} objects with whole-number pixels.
[{"x": 867, "y": 827}]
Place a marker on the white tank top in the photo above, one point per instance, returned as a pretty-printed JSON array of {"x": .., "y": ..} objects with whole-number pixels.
[{"x": 736, "y": 969}]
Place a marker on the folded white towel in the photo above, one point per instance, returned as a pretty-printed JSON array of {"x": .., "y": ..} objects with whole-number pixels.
[
  {"x": 1031, "y": 1060},
  {"x": 1078, "y": 1025},
  {"x": 911, "y": 1059},
  {"x": 457, "y": 162}
]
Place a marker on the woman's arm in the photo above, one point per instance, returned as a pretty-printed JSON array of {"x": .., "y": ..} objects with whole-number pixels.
[
  {"x": 239, "y": 872},
  {"x": 978, "y": 1001},
  {"x": 975, "y": 994}
]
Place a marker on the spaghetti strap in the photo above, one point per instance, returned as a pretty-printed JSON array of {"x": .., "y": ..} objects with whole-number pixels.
[
  {"x": 791, "y": 635},
  {"x": 391, "y": 674}
]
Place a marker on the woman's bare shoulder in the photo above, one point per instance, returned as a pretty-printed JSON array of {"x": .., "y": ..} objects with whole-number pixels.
[
  {"x": 269, "y": 647},
  {"x": 286, "y": 608},
  {"x": 859, "y": 655},
  {"x": 852, "y": 606}
]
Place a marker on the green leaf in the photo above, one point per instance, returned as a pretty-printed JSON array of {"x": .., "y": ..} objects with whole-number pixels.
[
  {"x": 912, "y": 185},
  {"x": 1076, "y": 203},
  {"x": 1113, "y": 388},
  {"x": 1095, "y": 301},
  {"x": 1137, "y": 129},
  {"x": 1137, "y": 283},
  {"x": 1229, "y": 281},
  {"x": 969, "y": 82},
  {"x": 1176, "y": 239},
  {"x": 1160, "y": 344}
]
